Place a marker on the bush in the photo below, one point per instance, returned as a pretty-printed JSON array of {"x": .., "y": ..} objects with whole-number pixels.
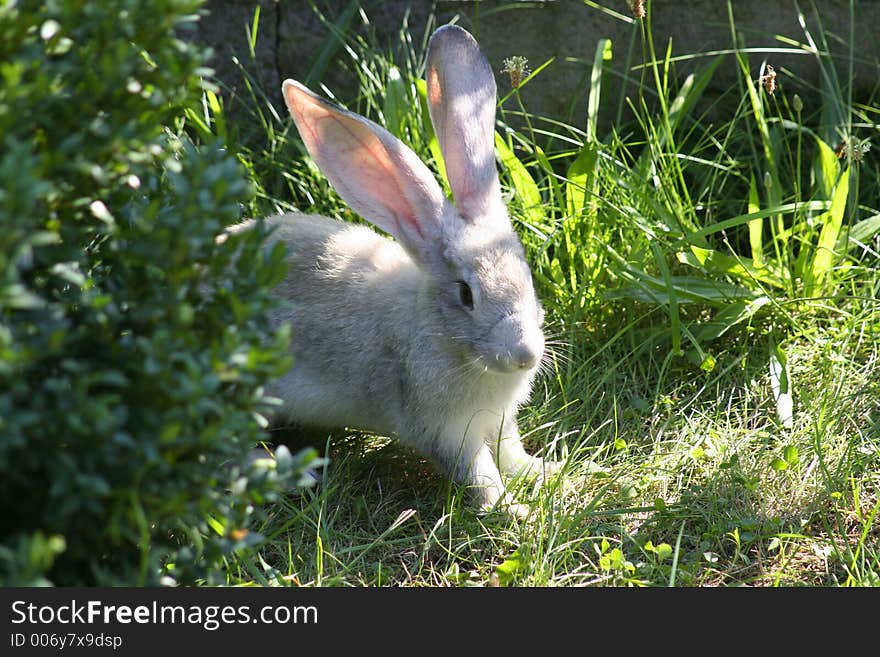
[{"x": 128, "y": 397}]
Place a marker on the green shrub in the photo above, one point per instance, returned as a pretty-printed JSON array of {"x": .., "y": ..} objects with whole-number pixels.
[{"x": 128, "y": 396}]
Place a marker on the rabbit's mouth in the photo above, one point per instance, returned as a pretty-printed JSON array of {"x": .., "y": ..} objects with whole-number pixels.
[
  {"x": 501, "y": 364},
  {"x": 514, "y": 346},
  {"x": 518, "y": 359}
]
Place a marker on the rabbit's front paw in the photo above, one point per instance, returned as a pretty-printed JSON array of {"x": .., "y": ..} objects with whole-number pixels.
[
  {"x": 551, "y": 468},
  {"x": 496, "y": 500},
  {"x": 535, "y": 467},
  {"x": 506, "y": 506}
]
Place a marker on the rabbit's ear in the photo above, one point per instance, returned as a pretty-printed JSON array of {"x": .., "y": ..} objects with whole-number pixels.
[
  {"x": 461, "y": 100},
  {"x": 373, "y": 171}
]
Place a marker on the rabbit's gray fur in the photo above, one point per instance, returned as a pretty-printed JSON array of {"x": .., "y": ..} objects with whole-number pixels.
[{"x": 383, "y": 338}]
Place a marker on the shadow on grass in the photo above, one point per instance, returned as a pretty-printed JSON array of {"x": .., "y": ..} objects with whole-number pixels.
[{"x": 378, "y": 514}]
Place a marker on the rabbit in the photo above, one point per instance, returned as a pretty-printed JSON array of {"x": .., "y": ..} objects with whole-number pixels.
[{"x": 436, "y": 336}]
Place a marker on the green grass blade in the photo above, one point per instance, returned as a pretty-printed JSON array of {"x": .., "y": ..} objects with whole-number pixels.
[
  {"x": 671, "y": 298},
  {"x": 690, "y": 93},
  {"x": 756, "y": 226},
  {"x": 254, "y": 31},
  {"x": 686, "y": 289},
  {"x": 552, "y": 182},
  {"x": 825, "y": 257},
  {"x": 742, "y": 268},
  {"x": 396, "y": 102},
  {"x": 834, "y": 111},
  {"x": 580, "y": 175},
  {"x": 523, "y": 184},
  {"x": 864, "y": 231},
  {"x": 827, "y": 168},
  {"x": 739, "y": 220},
  {"x": 760, "y": 119},
  {"x": 600, "y": 61},
  {"x": 728, "y": 317},
  {"x": 780, "y": 383},
  {"x": 675, "y": 555},
  {"x": 332, "y": 43},
  {"x": 771, "y": 174}
]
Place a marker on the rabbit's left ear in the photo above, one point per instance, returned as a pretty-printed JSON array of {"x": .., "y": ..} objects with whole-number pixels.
[
  {"x": 373, "y": 171},
  {"x": 461, "y": 101}
]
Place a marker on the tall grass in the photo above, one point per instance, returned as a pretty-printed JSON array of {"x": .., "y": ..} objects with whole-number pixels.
[{"x": 711, "y": 290}]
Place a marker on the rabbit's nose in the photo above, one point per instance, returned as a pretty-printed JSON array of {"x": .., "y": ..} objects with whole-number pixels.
[
  {"x": 525, "y": 356},
  {"x": 518, "y": 344}
]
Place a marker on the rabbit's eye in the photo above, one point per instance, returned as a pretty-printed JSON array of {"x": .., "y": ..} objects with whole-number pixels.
[{"x": 465, "y": 295}]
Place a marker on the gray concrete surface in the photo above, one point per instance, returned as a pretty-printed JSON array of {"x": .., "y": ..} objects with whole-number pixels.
[{"x": 291, "y": 33}]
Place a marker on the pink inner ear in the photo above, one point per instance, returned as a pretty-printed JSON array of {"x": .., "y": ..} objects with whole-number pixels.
[
  {"x": 354, "y": 159},
  {"x": 434, "y": 89}
]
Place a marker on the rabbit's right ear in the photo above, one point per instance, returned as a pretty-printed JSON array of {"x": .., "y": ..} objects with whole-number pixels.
[
  {"x": 461, "y": 101},
  {"x": 373, "y": 171}
]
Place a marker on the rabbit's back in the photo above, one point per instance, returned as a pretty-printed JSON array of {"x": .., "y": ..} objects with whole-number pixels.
[{"x": 343, "y": 283}]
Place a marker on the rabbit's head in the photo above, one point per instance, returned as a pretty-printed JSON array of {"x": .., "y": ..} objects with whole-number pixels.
[{"x": 477, "y": 278}]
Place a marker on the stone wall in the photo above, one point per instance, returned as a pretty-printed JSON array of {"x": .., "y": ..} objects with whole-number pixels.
[{"x": 290, "y": 35}]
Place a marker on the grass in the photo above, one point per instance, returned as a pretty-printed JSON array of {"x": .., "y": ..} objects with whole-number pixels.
[{"x": 711, "y": 289}]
